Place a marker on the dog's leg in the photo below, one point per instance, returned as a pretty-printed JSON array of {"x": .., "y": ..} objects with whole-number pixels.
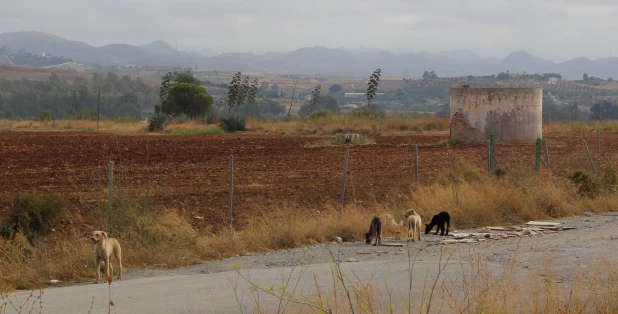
[
  {"x": 118, "y": 256},
  {"x": 108, "y": 268},
  {"x": 98, "y": 267}
]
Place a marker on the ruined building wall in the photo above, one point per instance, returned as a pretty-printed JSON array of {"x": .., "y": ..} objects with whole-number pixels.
[{"x": 513, "y": 115}]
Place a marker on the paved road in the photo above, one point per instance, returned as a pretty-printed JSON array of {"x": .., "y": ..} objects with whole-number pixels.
[{"x": 207, "y": 288}]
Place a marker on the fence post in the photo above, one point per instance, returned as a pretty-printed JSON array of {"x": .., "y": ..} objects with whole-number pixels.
[
  {"x": 492, "y": 152},
  {"x": 599, "y": 149},
  {"x": 589, "y": 157},
  {"x": 231, "y": 192},
  {"x": 416, "y": 163},
  {"x": 110, "y": 191},
  {"x": 345, "y": 172},
  {"x": 537, "y": 164},
  {"x": 547, "y": 155},
  {"x": 98, "y": 108},
  {"x": 488, "y": 157}
]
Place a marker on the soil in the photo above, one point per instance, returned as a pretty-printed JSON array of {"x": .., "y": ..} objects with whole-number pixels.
[{"x": 191, "y": 173}]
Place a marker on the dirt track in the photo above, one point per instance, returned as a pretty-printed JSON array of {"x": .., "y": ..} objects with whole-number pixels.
[{"x": 191, "y": 172}]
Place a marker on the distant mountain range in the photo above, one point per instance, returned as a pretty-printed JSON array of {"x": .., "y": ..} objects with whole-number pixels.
[{"x": 310, "y": 60}]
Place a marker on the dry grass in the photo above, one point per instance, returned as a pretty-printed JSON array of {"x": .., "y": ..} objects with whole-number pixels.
[
  {"x": 339, "y": 123},
  {"x": 580, "y": 127},
  {"x": 74, "y": 125}
]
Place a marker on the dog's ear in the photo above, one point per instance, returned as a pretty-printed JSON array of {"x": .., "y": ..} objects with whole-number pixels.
[{"x": 105, "y": 235}]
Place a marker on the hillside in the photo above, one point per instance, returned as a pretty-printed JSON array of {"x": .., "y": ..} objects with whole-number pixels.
[{"x": 311, "y": 60}]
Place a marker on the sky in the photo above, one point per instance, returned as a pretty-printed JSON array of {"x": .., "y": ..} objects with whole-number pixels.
[{"x": 557, "y": 30}]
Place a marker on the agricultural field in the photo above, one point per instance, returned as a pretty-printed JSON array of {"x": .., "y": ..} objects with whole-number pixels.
[{"x": 191, "y": 173}]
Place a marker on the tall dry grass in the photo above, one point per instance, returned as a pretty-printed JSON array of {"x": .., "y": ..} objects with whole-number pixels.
[
  {"x": 580, "y": 127},
  {"x": 121, "y": 127},
  {"x": 332, "y": 124}
]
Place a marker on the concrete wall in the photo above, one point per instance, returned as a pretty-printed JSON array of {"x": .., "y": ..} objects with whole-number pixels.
[{"x": 513, "y": 115}]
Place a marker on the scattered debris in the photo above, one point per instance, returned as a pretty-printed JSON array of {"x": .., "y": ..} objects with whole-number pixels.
[
  {"x": 542, "y": 223},
  {"x": 532, "y": 228},
  {"x": 391, "y": 244},
  {"x": 338, "y": 239},
  {"x": 588, "y": 214},
  {"x": 54, "y": 281}
]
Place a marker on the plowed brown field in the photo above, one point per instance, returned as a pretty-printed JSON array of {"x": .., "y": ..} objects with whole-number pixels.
[{"x": 190, "y": 173}]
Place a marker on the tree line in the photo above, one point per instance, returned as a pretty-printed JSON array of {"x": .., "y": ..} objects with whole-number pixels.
[{"x": 120, "y": 96}]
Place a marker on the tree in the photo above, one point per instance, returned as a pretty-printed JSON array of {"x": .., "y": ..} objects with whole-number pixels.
[
  {"x": 372, "y": 87},
  {"x": 430, "y": 75},
  {"x": 241, "y": 91},
  {"x": 324, "y": 102},
  {"x": 172, "y": 78},
  {"x": 335, "y": 88},
  {"x": 275, "y": 88},
  {"x": 187, "y": 98},
  {"x": 603, "y": 109},
  {"x": 315, "y": 95},
  {"x": 585, "y": 77}
]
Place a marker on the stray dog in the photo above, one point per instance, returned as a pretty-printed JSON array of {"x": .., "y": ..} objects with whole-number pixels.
[
  {"x": 375, "y": 231},
  {"x": 414, "y": 224},
  {"x": 439, "y": 220},
  {"x": 388, "y": 220},
  {"x": 104, "y": 247}
]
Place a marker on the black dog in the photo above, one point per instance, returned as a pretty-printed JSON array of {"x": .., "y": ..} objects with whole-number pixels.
[
  {"x": 439, "y": 220},
  {"x": 375, "y": 231}
]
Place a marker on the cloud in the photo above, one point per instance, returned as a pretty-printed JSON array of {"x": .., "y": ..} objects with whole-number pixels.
[{"x": 560, "y": 29}]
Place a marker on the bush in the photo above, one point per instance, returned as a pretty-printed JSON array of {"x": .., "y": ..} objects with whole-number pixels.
[
  {"x": 211, "y": 117},
  {"x": 318, "y": 114},
  {"x": 586, "y": 185},
  {"x": 364, "y": 112},
  {"x": 47, "y": 115},
  {"x": 31, "y": 215},
  {"x": 157, "y": 123},
  {"x": 233, "y": 123}
]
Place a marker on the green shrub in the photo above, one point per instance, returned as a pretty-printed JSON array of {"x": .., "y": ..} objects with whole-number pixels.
[
  {"x": 47, "y": 115},
  {"x": 157, "y": 123},
  {"x": 233, "y": 123},
  {"x": 586, "y": 185},
  {"x": 364, "y": 112},
  {"x": 211, "y": 117},
  {"x": 32, "y": 216},
  {"x": 318, "y": 114},
  {"x": 85, "y": 115}
]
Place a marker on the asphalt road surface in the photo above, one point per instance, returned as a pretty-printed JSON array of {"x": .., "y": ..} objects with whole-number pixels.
[{"x": 208, "y": 287}]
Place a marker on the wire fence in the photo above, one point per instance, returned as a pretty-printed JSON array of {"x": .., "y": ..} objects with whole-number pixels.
[{"x": 221, "y": 186}]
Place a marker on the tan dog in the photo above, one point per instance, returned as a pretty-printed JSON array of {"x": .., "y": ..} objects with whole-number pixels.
[
  {"x": 414, "y": 224},
  {"x": 104, "y": 247}
]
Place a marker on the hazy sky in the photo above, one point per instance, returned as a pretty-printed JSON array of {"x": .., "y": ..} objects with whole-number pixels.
[{"x": 551, "y": 29}]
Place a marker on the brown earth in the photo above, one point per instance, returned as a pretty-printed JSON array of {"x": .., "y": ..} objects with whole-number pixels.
[{"x": 190, "y": 173}]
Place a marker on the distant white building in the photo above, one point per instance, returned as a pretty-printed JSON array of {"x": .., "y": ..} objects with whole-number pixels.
[
  {"x": 308, "y": 97},
  {"x": 357, "y": 95},
  {"x": 553, "y": 81}
]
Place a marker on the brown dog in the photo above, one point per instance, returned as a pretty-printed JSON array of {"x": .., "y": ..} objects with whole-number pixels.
[
  {"x": 104, "y": 247},
  {"x": 414, "y": 224}
]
